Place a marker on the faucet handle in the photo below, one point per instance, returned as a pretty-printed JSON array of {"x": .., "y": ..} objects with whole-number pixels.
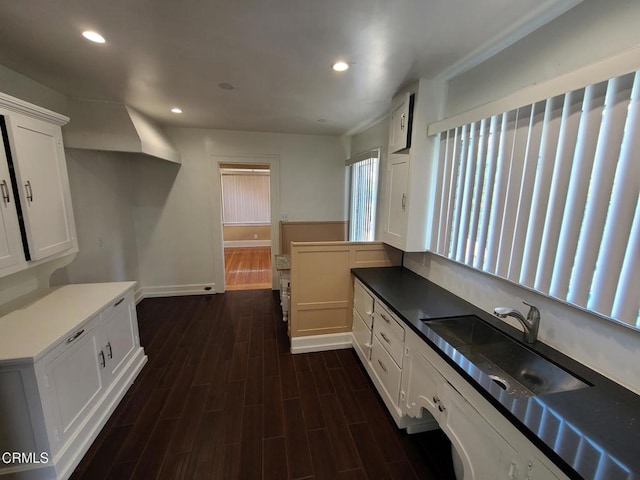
[{"x": 533, "y": 311}]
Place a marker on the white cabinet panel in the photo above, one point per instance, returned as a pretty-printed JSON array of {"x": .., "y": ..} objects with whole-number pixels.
[
  {"x": 43, "y": 185},
  {"x": 11, "y": 252}
]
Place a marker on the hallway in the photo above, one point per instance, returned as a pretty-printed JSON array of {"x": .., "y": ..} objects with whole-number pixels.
[{"x": 247, "y": 268}]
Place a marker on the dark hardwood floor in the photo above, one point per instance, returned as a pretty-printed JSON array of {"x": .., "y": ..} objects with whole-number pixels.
[{"x": 222, "y": 398}]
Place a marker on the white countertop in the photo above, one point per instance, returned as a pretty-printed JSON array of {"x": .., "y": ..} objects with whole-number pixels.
[{"x": 39, "y": 321}]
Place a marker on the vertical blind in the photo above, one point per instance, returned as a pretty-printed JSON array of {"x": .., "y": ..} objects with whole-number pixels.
[
  {"x": 363, "y": 198},
  {"x": 547, "y": 196},
  {"x": 245, "y": 196}
]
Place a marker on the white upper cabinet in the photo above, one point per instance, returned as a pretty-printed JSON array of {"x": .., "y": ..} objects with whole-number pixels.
[
  {"x": 36, "y": 220},
  {"x": 401, "y": 123},
  {"x": 411, "y": 168},
  {"x": 43, "y": 185}
]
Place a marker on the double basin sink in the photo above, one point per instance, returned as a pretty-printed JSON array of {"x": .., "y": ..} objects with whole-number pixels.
[{"x": 516, "y": 369}]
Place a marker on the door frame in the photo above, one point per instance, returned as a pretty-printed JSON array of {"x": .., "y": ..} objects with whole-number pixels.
[{"x": 274, "y": 195}]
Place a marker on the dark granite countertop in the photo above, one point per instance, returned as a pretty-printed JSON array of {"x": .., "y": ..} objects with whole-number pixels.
[{"x": 591, "y": 433}]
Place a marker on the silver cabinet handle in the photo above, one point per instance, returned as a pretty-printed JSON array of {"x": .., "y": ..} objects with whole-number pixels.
[
  {"x": 384, "y": 337},
  {"x": 75, "y": 335},
  {"x": 110, "y": 351},
  {"x": 402, "y": 117},
  {"x": 441, "y": 407},
  {"x": 436, "y": 400},
  {"x": 404, "y": 201},
  {"x": 384, "y": 317},
  {"x": 29, "y": 191},
  {"x": 5, "y": 192},
  {"x": 103, "y": 362},
  {"x": 118, "y": 302},
  {"x": 382, "y": 366}
]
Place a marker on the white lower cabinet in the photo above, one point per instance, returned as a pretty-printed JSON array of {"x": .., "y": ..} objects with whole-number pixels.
[
  {"x": 378, "y": 339},
  {"x": 485, "y": 445},
  {"x": 55, "y": 398}
]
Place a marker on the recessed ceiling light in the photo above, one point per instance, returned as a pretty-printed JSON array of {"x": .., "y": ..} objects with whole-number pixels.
[
  {"x": 176, "y": 110},
  {"x": 226, "y": 86},
  {"x": 93, "y": 36},
  {"x": 340, "y": 66}
]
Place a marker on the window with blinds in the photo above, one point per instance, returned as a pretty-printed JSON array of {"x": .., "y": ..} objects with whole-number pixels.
[
  {"x": 363, "y": 197},
  {"x": 245, "y": 196},
  {"x": 547, "y": 196}
]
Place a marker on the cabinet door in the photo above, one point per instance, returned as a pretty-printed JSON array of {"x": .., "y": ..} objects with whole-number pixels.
[
  {"x": 118, "y": 334},
  {"x": 361, "y": 336},
  {"x": 43, "y": 185},
  {"x": 395, "y": 221},
  {"x": 73, "y": 384},
  {"x": 482, "y": 451},
  {"x": 11, "y": 253},
  {"x": 421, "y": 383},
  {"x": 400, "y": 123},
  {"x": 363, "y": 303}
]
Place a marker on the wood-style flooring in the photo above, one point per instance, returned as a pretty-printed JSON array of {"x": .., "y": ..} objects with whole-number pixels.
[
  {"x": 222, "y": 398},
  {"x": 247, "y": 268}
]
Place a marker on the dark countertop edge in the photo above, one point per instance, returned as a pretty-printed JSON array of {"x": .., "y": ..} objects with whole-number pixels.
[{"x": 465, "y": 308}]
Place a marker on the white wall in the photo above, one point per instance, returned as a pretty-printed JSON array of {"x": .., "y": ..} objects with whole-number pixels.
[
  {"x": 589, "y": 32},
  {"x": 580, "y": 37},
  {"x": 101, "y": 193},
  {"x": 376, "y": 136},
  {"x": 177, "y": 213},
  {"x": 17, "y": 85}
]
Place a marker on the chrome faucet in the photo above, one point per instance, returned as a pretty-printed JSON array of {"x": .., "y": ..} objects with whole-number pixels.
[{"x": 530, "y": 324}]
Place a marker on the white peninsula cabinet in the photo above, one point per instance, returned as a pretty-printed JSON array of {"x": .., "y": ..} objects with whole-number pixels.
[
  {"x": 485, "y": 444},
  {"x": 36, "y": 217},
  {"x": 67, "y": 357}
]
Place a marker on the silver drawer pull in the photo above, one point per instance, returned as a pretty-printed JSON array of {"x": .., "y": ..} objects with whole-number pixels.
[
  {"x": 382, "y": 366},
  {"x": 118, "y": 302},
  {"x": 384, "y": 337},
  {"x": 110, "y": 352},
  {"x": 384, "y": 318},
  {"x": 28, "y": 191},
  {"x": 103, "y": 362},
  {"x": 75, "y": 335}
]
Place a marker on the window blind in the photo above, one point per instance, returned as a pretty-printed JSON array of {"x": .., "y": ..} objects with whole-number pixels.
[
  {"x": 547, "y": 196},
  {"x": 245, "y": 196},
  {"x": 364, "y": 192}
]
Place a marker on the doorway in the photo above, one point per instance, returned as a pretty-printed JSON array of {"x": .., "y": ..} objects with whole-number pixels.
[{"x": 246, "y": 225}]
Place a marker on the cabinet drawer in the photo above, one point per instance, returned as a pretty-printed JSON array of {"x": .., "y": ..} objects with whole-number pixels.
[
  {"x": 386, "y": 369},
  {"x": 118, "y": 306},
  {"x": 72, "y": 338},
  {"x": 385, "y": 329},
  {"x": 389, "y": 320},
  {"x": 362, "y": 302}
]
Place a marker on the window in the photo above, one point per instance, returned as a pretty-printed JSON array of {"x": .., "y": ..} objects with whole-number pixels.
[
  {"x": 547, "y": 196},
  {"x": 364, "y": 193},
  {"x": 245, "y": 195}
]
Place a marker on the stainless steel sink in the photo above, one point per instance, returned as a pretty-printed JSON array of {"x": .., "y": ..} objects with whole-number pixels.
[{"x": 518, "y": 370}]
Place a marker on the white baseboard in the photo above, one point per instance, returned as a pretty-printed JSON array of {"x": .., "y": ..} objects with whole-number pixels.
[
  {"x": 178, "y": 290},
  {"x": 320, "y": 343},
  {"x": 138, "y": 294},
  {"x": 247, "y": 243}
]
